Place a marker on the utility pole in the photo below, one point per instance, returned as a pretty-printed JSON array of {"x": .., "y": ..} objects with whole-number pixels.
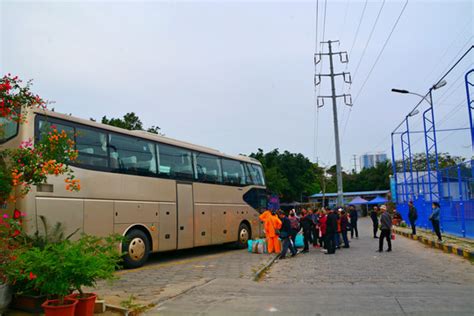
[
  {"x": 347, "y": 100},
  {"x": 354, "y": 157}
]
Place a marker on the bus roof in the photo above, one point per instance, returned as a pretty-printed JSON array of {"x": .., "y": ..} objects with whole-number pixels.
[{"x": 144, "y": 135}]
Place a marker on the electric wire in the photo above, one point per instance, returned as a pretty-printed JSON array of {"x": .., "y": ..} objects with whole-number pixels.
[
  {"x": 381, "y": 51},
  {"x": 368, "y": 40}
]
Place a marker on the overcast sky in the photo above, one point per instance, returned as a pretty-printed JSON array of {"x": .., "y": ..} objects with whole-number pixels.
[{"x": 238, "y": 75}]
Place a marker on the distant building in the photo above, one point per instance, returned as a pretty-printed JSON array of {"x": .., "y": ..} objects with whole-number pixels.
[{"x": 371, "y": 160}]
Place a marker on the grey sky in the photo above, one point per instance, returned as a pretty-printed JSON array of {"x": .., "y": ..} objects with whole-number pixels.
[{"x": 238, "y": 75}]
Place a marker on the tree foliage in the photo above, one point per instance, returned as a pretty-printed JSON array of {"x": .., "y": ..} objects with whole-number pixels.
[
  {"x": 294, "y": 177},
  {"x": 131, "y": 122},
  {"x": 290, "y": 175}
]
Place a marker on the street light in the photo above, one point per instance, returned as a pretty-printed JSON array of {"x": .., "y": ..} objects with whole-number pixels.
[{"x": 436, "y": 86}]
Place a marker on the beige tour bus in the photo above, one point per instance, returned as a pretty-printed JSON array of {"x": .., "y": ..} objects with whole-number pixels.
[{"x": 162, "y": 194}]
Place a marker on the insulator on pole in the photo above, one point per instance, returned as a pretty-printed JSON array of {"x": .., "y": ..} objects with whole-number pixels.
[{"x": 320, "y": 102}]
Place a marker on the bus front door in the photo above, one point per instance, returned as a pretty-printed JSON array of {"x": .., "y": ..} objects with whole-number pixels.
[{"x": 185, "y": 215}]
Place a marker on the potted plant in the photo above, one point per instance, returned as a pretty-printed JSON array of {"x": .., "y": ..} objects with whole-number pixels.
[
  {"x": 59, "y": 268},
  {"x": 98, "y": 260}
]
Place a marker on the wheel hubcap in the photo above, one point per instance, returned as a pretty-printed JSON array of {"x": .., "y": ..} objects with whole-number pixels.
[
  {"x": 136, "y": 249},
  {"x": 244, "y": 235}
]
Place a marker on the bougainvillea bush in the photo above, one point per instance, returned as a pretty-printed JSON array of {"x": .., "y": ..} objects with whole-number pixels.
[{"x": 20, "y": 168}]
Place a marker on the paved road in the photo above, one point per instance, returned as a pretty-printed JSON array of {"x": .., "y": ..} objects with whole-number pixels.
[
  {"x": 169, "y": 274},
  {"x": 411, "y": 280}
]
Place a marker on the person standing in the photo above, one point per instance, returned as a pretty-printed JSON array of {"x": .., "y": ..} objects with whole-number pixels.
[
  {"x": 295, "y": 226},
  {"x": 322, "y": 229},
  {"x": 285, "y": 233},
  {"x": 344, "y": 227},
  {"x": 331, "y": 230},
  {"x": 354, "y": 217},
  {"x": 412, "y": 216},
  {"x": 434, "y": 218},
  {"x": 271, "y": 223},
  {"x": 375, "y": 221},
  {"x": 314, "y": 234},
  {"x": 386, "y": 229},
  {"x": 338, "y": 232},
  {"x": 307, "y": 225}
]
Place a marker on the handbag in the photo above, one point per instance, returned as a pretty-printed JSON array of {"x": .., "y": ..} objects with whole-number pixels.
[{"x": 393, "y": 236}]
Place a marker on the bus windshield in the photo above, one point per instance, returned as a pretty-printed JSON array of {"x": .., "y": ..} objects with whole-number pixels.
[{"x": 8, "y": 129}]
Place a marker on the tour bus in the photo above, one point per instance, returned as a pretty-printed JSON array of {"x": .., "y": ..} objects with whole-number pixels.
[{"x": 161, "y": 194}]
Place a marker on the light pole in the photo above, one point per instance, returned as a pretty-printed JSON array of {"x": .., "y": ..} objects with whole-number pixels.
[{"x": 429, "y": 131}]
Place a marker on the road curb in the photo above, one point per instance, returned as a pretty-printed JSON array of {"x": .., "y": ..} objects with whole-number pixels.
[
  {"x": 435, "y": 244},
  {"x": 260, "y": 272}
]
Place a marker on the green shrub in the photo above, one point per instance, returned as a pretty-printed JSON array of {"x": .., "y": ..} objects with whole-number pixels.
[{"x": 58, "y": 268}]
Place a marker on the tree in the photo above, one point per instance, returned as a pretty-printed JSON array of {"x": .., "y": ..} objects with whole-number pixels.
[
  {"x": 419, "y": 163},
  {"x": 131, "y": 122},
  {"x": 290, "y": 175}
]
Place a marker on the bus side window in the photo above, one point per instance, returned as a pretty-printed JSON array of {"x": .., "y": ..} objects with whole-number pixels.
[
  {"x": 92, "y": 147},
  {"x": 132, "y": 155},
  {"x": 233, "y": 172},
  {"x": 208, "y": 168},
  {"x": 175, "y": 163},
  {"x": 44, "y": 127}
]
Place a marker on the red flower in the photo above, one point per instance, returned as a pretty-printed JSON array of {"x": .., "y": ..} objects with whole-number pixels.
[
  {"x": 32, "y": 276},
  {"x": 16, "y": 233},
  {"x": 16, "y": 214}
]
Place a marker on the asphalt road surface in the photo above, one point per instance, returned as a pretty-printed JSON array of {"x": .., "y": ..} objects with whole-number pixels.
[{"x": 411, "y": 280}]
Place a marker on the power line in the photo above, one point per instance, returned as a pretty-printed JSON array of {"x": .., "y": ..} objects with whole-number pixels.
[
  {"x": 368, "y": 40},
  {"x": 350, "y": 52},
  {"x": 448, "y": 47},
  {"x": 344, "y": 21},
  {"x": 382, "y": 50},
  {"x": 375, "y": 64},
  {"x": 358, "y": 27}
]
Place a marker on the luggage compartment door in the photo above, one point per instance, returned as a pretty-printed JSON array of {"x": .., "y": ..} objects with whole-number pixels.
[{"x": 185, "y": 215}]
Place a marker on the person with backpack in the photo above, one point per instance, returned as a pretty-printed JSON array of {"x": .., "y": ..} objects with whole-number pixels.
[{"x": 412, "y": 217}]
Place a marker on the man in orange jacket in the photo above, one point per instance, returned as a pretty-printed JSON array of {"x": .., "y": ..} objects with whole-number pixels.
[{"x": 271, "y": 223}]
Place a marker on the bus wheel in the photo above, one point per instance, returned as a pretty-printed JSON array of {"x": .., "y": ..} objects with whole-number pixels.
[
  {"x": 244, "y": 236},
  {"x": 136, "y": 248}
]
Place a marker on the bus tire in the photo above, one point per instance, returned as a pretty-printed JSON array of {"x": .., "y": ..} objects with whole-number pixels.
[
  {"x": 243, "y": 236},
  {"x": 136, "y": 248}
]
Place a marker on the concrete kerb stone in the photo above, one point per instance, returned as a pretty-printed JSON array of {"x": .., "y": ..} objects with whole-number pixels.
[
  {"x": 434, "y": 244},
  {"x": 260, "y": 272}
]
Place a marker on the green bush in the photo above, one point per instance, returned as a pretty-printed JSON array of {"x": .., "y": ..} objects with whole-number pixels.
[{"x": 58, "y": 268}]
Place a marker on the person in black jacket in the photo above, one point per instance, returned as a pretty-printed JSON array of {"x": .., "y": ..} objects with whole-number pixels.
[
  {"x": 412, "y": 216},
  {"x": 285, "y": 233},
  {"x": 307, "y": 225},
  {"x": 331, "y": 230},
  {"x": 375, "y": 220},
  {"x": 354, "y": 217}
]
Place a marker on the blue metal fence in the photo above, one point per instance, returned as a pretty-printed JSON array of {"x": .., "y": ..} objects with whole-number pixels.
[
  {"x": 452, "y": 187},
  {"x": 456, "y": 201}
]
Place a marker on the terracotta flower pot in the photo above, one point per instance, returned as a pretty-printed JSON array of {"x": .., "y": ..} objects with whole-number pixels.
[
  {"x": 52, "y": 307},
  {"x": 28, "y": 303},
  {"x": 85, "y": 305}
]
